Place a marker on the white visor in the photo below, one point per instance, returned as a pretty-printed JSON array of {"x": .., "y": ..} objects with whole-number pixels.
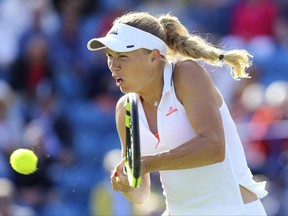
[{"x": 125, "y": 38}]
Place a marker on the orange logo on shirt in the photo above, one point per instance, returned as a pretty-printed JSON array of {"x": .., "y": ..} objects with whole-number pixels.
[
  {"x": 171, "y": 110},
  {"x": 158, "y": 138}
]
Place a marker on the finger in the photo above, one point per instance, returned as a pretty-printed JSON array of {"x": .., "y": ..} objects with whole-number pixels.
[
  {"x": 124, "y": 188},
  {"x": 124, "y": 182},
  {"x": 114, "y": 173},
  {"x": 120, "y": 166},
  {"x": 118, "y": 181},
  {"x": 123, "y": 178},
  {"x": 114, "y": 183},
  {"x": 120, "y": 184},
  {"x": 115, "y": 188},
  {"x": 124, "y": 171}
]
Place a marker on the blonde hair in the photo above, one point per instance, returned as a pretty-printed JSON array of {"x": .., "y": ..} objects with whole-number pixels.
[{"x": 185, "y": 45}]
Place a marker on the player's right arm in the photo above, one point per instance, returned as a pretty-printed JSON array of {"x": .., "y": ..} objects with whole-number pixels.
[{"x": 120, "y": 181}]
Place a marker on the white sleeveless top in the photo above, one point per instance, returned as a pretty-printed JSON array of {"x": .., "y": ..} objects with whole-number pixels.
[{"x": 207, "y": 190}]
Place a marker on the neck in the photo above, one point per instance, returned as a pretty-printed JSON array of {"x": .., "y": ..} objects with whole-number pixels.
[
  {"x": 153, "y": 96},
  {"x": 152, "y": 93},
  {"x": 151, "y": 101}
]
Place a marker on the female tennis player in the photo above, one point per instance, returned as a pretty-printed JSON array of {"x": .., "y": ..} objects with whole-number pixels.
[{"x": 186, "y": 131}]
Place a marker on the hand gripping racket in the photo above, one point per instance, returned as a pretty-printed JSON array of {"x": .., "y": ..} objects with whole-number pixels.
[{"x": 133, "y": 161}]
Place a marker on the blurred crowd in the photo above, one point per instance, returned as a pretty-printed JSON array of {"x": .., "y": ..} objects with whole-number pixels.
[{"x": 58, "y": 98}]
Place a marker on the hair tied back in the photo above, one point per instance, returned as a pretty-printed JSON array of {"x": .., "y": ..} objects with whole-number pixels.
[{"x": 221, "y": 57}]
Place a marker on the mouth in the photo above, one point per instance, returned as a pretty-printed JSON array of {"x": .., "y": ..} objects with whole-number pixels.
[{"x": 118, "y": 81}]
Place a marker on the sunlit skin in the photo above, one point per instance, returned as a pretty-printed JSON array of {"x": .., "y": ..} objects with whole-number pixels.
[{"x": 138, "y": 71}]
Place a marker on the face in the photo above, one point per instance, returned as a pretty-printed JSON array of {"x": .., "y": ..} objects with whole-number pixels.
[{"x": 131, "y": 70}]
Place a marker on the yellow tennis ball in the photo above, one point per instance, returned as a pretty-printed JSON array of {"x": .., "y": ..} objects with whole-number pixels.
[{"x": 24, "y": 161}]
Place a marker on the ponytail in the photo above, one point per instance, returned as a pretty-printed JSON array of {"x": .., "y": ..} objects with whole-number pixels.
[{"x": 181, "y": 42}]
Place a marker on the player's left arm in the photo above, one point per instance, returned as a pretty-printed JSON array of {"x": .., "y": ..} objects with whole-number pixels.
[
  {"x": 196, "y": 91},
  {"x": 120, "y": 181}
]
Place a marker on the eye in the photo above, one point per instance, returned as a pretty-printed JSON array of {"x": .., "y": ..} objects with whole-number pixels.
[
  {"x": 108, "y": 55},
  {"x": 123, "y": 56}
]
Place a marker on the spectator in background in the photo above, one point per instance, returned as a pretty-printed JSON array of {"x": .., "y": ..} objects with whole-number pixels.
[
  {"x": 252, "y": 18},
  {"x": 251, "y": 26},
  {"x": 8, "y": 206},
  {"x": 208, "y": 16},
  {"x": 163, "y": 6},
  {"x": 17, "y": 17},
  {"x": 43, "y": 22},
  {"x": 47, "y": 110},
  {"x": 66, "y": 52},
  {"x": 11, "y": 125},
  {"x": 28, "y": 70},
  {"x": 266, "y": 139},
  {"x": 275, "y": 67},
  {"x": 47, "y": 133}
]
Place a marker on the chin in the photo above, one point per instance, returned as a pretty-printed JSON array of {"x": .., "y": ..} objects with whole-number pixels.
[{"x": 124, "y": 91}]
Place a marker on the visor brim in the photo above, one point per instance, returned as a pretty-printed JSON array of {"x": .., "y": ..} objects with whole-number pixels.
[{"x": 111, "y": 43}]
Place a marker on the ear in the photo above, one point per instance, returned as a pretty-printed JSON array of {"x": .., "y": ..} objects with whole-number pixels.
[{"x": 155, "y": 56}]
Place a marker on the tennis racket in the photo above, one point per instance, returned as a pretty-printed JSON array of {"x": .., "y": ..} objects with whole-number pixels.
[{"x": 132, "y": 166}]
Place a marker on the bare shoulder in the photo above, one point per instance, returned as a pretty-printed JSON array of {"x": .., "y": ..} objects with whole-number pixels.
[
  {"x": 190, "y": 69},
  {"x": 191, "y": 78}
]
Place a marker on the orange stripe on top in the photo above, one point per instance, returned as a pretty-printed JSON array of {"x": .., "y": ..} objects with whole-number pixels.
[{"x": 157, "y": 136}]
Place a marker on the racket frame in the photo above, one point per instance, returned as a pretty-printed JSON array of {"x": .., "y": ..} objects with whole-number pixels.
[{"x": 132, "y": 166}]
